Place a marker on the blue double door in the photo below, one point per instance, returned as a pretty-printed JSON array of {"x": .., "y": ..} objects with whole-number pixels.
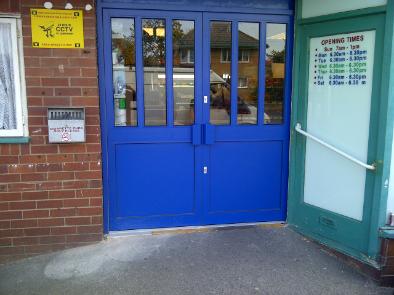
[{"x": 196, "y": 117}]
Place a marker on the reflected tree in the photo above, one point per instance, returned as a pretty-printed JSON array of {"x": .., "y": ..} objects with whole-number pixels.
[
  {"x": 125, "y": 47},
  {"x": 154, "y": 42},
  {"x": 277, "y": 56}
]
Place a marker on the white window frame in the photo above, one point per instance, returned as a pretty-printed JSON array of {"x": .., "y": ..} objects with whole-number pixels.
[
  {"x": 244, "y": 53},
  {"x": 225, "y": 55},
  {"x": 228, "y": 55},
  {"x": 188, "y": 59},
  {"x": 246, "y": 79},
  {"x": 19, "y": 81}
]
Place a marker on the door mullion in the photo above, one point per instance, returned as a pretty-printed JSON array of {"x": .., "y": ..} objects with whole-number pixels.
[
  {"x": 169, "y": 74},
  {"x": 139, "y": 72},
  {"x": 198, "y": 72},
  {"x": 206, "y": 56},
  {"x": 234, "y": 72},
  {"x": 261, "y": 85}
]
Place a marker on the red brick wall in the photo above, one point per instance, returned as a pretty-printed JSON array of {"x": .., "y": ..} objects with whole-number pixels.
[{"x": 51, "y": 194}]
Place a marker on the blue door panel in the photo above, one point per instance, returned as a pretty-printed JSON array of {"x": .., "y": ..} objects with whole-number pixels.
[
  {"x": 245, "y": 177},
  {"x": 129, "y": 223},
  {"x": 247, "y": 163},
  {"x": 155, "y": 179},
  {"x": 244, "y": 217}
]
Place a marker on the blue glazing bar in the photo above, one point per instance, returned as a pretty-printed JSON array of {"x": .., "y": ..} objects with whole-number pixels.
[
  {"x": 108, "y": 68},
  {"x": 261, "y": 86},
  {"x": 234, "y": 72},
  {"x": 288, "y": 75},
  {"x": 139, "y": 62},
  {"x": 169, "y": 75}
]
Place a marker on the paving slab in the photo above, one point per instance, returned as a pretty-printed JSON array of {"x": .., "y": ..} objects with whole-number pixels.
[{"x": 248, "y": 260}]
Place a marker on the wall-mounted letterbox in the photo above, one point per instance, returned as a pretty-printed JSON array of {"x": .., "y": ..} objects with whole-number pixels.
[{"x": 66, "y": 125}]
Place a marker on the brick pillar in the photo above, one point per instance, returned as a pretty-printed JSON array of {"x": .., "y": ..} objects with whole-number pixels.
[{"x": 51, "y": 194}]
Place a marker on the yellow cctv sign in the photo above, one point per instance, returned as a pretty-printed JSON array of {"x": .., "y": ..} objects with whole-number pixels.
[{"x": 53, "y": 28}]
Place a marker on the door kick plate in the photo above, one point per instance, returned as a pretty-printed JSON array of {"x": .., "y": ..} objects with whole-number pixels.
[{"x": 327, "y": 222}]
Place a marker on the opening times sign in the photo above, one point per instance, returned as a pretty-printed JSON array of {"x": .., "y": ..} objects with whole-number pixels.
[
  {"x": 56, "y": 28},
  {"x": 342, "y": 60},
  {"x": 339, "y": 109}
]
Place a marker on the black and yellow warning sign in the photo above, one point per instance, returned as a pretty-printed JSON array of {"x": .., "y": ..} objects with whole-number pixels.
[{"x": 53, "y": 28}]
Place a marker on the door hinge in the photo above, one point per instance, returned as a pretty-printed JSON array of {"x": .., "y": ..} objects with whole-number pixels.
[{"x": 205, "y": 170}]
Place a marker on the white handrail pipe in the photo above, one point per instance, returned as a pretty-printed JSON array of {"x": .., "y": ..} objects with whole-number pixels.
[{"x": 329, "y": 146}]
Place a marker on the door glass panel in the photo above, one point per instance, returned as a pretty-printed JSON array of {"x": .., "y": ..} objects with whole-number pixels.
[
  {"x": 123, "y": 65},
  {"x": 153, "y": 42},
  {"x": 183, "y": 71},
  {"x": 220, "y": 72},
  {"x": 274, "y": 73},
  {"x": 339, "y": 101},
  {"x": 248, "y": 67}
]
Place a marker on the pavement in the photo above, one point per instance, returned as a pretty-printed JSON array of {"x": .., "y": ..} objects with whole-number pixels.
[{"x": 243, "y": 260}]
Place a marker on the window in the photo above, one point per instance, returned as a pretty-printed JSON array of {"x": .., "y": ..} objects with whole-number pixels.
[
  {"x": 12, "y": 82},
  {"x": 248, "y": 73},
  {"x": 275, "y": 60},
  {"x": 154, "y": 54},
  {"x": 225, "y": 56},
  {"x": 124, "y": 76},
  {"x": 183, "y": 71},
  {"x": 243, "y": 55},
  {"x": 242, "y": 82},
  {"x": 220, "y": 74},
  {"x": 187, "y": 56}
]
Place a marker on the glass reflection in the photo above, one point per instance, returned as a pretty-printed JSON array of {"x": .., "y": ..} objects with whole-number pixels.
[
  {"x": 123, "y": 66},
  {"x": 183, "y": 71},
  {"x": 248, "y": 67},
  {"x": 153, "y": 42},
  {"x": 274, "y": 73},
  {"x": 220, "y": 73}
]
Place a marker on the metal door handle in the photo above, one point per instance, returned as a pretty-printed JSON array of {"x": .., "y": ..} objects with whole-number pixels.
[
  {"x": 203, "y": 134},
  {"x": 208, "y": 134},
  {"x": 329, "y": 146}
]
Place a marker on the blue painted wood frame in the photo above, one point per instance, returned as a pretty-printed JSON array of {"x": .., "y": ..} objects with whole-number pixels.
[
  {"x": 256, "y": 136},
  {"x": 272, "y": 7},
  {"x": 239, "y": 133},
  {"x": 119, "y": 137}
]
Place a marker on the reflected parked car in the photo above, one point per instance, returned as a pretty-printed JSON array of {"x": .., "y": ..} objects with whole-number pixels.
[
  {"x": 220, "y": 99},
  {"x": 183, "y": 93}
]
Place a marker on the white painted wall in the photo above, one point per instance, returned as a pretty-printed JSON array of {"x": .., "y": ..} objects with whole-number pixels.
[
  {"x": 390, "y": 199},
  {"x": 312, "y": 8}
]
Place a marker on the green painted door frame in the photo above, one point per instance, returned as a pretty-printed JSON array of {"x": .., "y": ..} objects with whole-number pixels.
[{"x": 380, "y": 142}]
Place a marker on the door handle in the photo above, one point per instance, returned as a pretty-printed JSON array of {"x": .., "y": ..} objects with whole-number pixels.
[
  {"x": 208, "y": 134},
  {"x": 336, "y": 150},
  {"x": 203, "y": 134}
]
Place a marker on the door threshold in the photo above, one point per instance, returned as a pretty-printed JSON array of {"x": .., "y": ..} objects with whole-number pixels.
[{"x": 193, "y": 229}]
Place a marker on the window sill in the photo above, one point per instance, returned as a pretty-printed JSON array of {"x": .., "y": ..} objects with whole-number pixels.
[
  {"x": 14, "y": 140},
  {"x": 386, "y": 232}
]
